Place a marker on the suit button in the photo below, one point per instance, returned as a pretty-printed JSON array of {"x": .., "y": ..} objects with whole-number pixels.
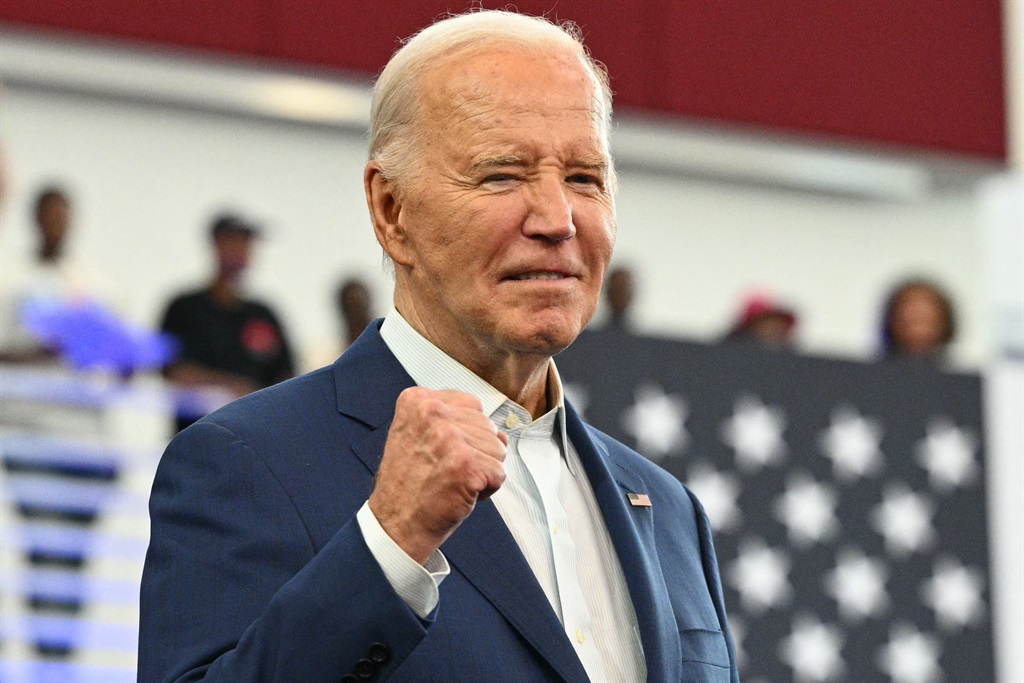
[
  {"x": 365, "y": 669},
  {"x": 379, "y": 653}
]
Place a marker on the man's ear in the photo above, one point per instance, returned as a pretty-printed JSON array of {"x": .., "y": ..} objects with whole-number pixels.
[{"x": 385, "y": 207}]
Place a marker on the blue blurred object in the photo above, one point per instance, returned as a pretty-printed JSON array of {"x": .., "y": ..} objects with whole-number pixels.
[{"x": 87, "y": 335}]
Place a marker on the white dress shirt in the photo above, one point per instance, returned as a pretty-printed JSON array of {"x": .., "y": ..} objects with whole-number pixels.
[{"x": 547, "y": 503}]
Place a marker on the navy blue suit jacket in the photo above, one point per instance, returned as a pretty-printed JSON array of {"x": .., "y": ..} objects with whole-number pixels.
[{"x": 257, "y": 569}]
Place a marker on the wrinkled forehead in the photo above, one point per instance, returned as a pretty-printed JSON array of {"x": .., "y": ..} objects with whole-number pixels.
[{"x": 513, "y": 77}]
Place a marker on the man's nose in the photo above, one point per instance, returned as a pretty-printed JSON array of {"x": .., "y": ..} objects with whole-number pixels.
[{"x": 550, "y": 214}]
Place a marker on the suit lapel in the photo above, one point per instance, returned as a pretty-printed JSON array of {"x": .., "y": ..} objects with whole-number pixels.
[
  {"x": 632, "y": 533},
  {"x": 484, "y": 551},
  {"x": 368, "y": 380}
]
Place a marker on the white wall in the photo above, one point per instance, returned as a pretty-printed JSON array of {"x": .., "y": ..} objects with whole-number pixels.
[
  {"x": 702, "y": 245},
  {"x": 145, "y": 180}
]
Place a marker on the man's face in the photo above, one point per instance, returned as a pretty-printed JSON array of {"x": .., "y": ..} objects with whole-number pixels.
[
  {"x": 510, "y": 220},
  {"x": 234, "y": 252},
  {"x": 918, "y": 321},
  {"x": 54, "y": 220}
]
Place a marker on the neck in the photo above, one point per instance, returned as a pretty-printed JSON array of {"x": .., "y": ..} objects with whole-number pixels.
[
  {"x": 526, "y": 384},
  {"x": 224, "y": 290},
  {"x": 49, "y": 254},
  {"x": 521, "y": 376}
]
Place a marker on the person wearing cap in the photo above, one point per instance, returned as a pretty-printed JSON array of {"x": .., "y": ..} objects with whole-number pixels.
[
  {"x": 763, "y": 320},
  {"x": 226, "y": 340},
  {"x": 430, "y": 508}
]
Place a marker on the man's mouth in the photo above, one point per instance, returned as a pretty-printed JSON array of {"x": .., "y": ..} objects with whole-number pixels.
[{"x": 538, "y": 276}]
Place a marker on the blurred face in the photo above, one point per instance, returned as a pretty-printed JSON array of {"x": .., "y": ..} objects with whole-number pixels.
[
  {"x": 620, "y": 290},
  {"x": 234, "y": 253},
  {"x": 54, "y": 219},
  {"x": 773, "y": 330},
  {"x": 918, "y": 323},
  {"x": 355, "y": 301},
  {"x": 508, "y": 226}
]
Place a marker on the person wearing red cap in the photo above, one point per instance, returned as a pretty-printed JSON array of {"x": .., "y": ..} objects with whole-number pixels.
[{"x": 764, "y": 321}]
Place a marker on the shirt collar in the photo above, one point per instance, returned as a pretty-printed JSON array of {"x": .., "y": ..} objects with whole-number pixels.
[{"x": 432, "y": 368}]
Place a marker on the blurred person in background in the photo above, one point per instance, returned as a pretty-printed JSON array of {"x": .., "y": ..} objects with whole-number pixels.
[
  {"x": 918, "y": 321},
  {"x": 351, "y": 303},
  {"x": 618, "y": 294},
  {"x": 355, "y": 310},
  {"x": 764, "y": 321},
  {"x": 226, "y": 340},
  {"x": 49, "y": 279}
]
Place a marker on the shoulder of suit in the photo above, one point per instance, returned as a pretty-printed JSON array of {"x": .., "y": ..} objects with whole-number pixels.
[
  {"x": 279, "y": 405},
  {"x": 630, "y": 459}
]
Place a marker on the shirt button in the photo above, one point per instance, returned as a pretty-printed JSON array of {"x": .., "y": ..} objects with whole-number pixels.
[
  {"x": 512, "y": 421},
  {"x": 554, "y": 529},
  {"x": 580, "y": 637}
]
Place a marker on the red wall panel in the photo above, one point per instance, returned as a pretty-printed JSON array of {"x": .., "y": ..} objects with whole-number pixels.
[
  {"x": 224, "y": 25},
  {"x": 899, "y": 72},
  {"x": 358, "y": 36},
  {"x": 924, "y": 74}
]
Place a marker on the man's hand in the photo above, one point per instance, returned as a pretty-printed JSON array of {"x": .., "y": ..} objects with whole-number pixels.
[{"x": 442, "y": 455}]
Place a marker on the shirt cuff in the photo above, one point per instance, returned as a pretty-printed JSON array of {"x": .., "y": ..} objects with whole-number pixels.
[{"x": 417, "y": 585}]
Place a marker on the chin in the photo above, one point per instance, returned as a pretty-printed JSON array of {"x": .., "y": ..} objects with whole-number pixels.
[{"x": 547, "y": 337}]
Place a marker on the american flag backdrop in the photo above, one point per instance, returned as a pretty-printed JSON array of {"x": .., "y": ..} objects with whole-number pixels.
[{"x": 847, "y": 499}]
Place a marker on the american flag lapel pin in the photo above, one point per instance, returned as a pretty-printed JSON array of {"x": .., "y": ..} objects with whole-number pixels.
[{"x": 639, "y": 500}]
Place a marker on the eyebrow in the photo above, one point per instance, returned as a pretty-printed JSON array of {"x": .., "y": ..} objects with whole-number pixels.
[
  {"x": 497, "y": 161},
  {"x": 590, "y": 162}
]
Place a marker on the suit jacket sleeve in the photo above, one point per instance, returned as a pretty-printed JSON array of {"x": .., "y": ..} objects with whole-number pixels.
[
  {"x": 234, "y": 588},
  {"x": 711, "y": 574}
]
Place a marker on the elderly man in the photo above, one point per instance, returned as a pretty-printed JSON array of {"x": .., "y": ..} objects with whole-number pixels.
[{"x": 429, "y": 508}]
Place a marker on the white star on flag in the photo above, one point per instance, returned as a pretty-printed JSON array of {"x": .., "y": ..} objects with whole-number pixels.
[
  {"x": 759, "y": 574},
  {"x": 954, "y": 592},
  {"x": 948, "y": 454},
  {"x": 851, "y": 443},
  {"x": 904, "y": 519},
  {"x": 847, "y": 501},
  {"x": 807, "y": 508},
  {"x": 812, "y": 650},
  {"x": 656, "y": 422},
  {"x": 910, "y": 656},
  {"x": 755, "y": 433},
  {"x": 858, "y": 585},
  {"x": 717, "y": 492}
]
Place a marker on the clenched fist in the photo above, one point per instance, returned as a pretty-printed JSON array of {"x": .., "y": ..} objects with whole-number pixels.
[{"x": 442, "y": 456}]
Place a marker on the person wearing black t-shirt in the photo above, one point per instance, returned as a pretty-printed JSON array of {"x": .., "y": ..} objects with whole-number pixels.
[{"x": 225, "y": 340}]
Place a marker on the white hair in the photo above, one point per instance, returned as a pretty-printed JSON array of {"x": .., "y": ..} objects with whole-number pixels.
[{"x": 394, "y": 139}]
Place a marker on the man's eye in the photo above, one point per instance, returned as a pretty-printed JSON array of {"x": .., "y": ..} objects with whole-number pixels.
[
  {"x": 583, "y": 179},
  {"x": 499, "y": 178}
]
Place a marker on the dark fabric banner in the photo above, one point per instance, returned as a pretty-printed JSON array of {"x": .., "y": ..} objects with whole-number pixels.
[{"x": 847, "y": 499}]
